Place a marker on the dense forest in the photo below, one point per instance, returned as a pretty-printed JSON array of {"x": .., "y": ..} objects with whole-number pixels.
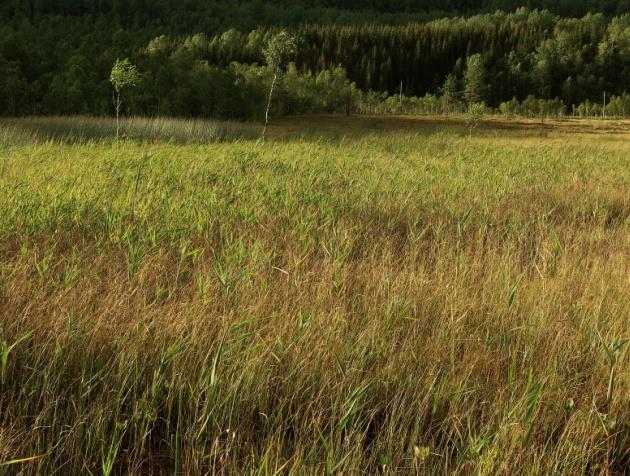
[
  {"x": 180, "y": 16},
  {"x": 204, "y": 58}
]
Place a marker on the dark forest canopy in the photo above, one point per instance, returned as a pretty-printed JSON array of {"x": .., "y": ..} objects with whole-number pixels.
[
  {"x": 171, "y": 12},
  {"x": 204, "y": 57}
]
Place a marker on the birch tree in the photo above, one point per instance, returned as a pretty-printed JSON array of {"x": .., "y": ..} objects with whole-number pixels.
[
  {"x": 124, "y": 75},
  {"x": 280, "y": 49}
]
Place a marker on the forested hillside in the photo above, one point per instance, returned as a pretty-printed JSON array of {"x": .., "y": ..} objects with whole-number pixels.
[
  {"x": 204, "y": 58},
  {"x": 201, "y": 13}
]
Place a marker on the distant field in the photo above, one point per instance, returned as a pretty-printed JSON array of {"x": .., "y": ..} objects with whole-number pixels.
[
  {"x": 355, "y": 296},
  {"x": 615, "y": 129},
  {"x": 72, "y": 130}
]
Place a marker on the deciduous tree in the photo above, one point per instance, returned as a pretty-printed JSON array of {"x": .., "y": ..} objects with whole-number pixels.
[
  {"x": 278, "y": 52},
  {"x": 123, "y": 75}
]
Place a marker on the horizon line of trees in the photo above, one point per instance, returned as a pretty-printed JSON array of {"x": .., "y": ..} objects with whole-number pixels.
[
  {"x": 530, "y": 107},
  {"x": 332, "y": 91},
  {"x": 493, "y": 58}
]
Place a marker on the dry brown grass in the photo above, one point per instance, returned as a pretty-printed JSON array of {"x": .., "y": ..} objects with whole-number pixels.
[
  {"x": 516, "y": 128},
  {"x": 404, "y": 302}
]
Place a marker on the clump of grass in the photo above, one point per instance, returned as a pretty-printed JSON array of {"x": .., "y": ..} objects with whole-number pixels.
[
  {"x": 78, "y": 130},
  {"x": 410, "y": 304}
]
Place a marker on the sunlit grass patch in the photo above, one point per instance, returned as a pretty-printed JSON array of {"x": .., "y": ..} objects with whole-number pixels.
[
  {"x": 77, "y": 129},
  {"x": 398, "y": 302}
]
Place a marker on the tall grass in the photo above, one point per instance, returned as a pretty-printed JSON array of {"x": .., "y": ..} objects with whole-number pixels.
[
  {"x": 399, "y": 304},
  {"x": 77, "y": 130}
]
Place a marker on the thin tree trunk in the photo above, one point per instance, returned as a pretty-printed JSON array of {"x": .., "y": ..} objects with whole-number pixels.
[
  {"x": 117, "y": 103},
  {"x": 273, "y": 84}
]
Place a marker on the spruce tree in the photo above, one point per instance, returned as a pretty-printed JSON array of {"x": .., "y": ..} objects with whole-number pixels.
[
  {"x": 449, "y": 94},
  {"x": 475, "y": 80}
]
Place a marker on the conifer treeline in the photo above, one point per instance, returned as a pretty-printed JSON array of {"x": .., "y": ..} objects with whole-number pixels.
[
  {"x": 379, "y": 57},
  {"x": 523, "y": 53},
  {"x": 52, "y": 64},
  {"x": 420, "y": 56}
]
